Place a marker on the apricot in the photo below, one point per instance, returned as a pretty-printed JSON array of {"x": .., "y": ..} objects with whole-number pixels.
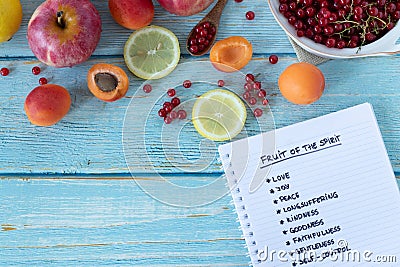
[
  {"x": 231, "y": 54},
  {"x": 47, "y": 104},
  {"x": 132, "y": 14},
  {"x": 107, "y": 82},
  {"x": 302, "y": 83}
]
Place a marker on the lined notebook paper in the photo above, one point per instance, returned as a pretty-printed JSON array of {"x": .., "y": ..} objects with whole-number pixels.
[{"x": 317, "y": 193}]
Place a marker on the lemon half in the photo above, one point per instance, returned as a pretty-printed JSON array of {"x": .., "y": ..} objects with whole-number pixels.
[
  {"x": 152, "y": 52},
  {"x": 10, "y": 18},
  {"x": 219, "y": 115}
]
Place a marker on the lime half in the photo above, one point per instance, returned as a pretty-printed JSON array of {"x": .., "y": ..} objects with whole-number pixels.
[
  {"x": 219, "y": 115},
  {"x": 152, "y": 52}
]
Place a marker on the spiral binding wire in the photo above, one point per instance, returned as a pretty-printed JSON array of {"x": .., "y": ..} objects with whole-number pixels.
[{"x": 240, "y": 210}]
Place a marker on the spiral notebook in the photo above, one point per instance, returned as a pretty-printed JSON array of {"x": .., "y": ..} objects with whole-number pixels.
[{"x": 317, "y": 193}]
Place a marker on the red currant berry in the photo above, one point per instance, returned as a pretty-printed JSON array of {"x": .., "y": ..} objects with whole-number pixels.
[
  {"x": 248, "y": 86},
  {"x": 257, "y": 85},
  {"x": 42, "y": 81},
  {"x": 221, "y": 83},
  {"x": 4, "y": 71},
  {"x": 162, "y": 113},
  {"x": 252, "y": 101},
  {"x": 187, "y": 84},
  {"x": 249, "y": 77},
  {"x": 273, "y": 59},
  {"x": 262, "y": 93},
  {"x": 36, "y": 70},
  {"x": 167, "y": 120},
  {"x": 182, "y": 114},
  {"x": 265, "y": 102},
  {"x": 250, "y": 15},
  {"x": 246, "y": 95},
  {"x": 258, "y": 112},
  {"x": 147, "y": 88},
  {"x": 168, "y": 109},
  {"x": 171, "y": 92},
  {"x": 167, "y": 104},
  {"x": 173, "y": 115},
  {"x": 175, "y": 101},
  {"x": 238, "y": 1}
]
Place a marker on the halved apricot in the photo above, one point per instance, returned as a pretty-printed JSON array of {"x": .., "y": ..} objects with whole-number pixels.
[
  {"x": 231, "y": 54},
  {"x": 107, "y": 82}
]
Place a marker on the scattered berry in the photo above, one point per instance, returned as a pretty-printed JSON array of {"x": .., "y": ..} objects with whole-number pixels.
[
  {"x": 238, "y": 1},
  {"x": 187, "y": 84},
  {"x": 250, "y": 15},
  {"x": 273, "y": 59},
  {"x": 4, "y": 71},
  {"x": 162, "y": 113},
  {"x": 147, "y": 88},
  {"x": 175, "y": 102},
  {"x": 42, "y": 81},
  {"x": 258, "y": 112},
  {"x": 171, "y": 92},
  {"x": 168, "y": 109},
  {"x": 181, "y": 114},
  {"x": 246, "y": 95},
  {"x": 265, "y": 102},
  {"x": 36, "y": 70},
  {"x": 252, "y": 101},
  {"x": 221, "y": 83}
]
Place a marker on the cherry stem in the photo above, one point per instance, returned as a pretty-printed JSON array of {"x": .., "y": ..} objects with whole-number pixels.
[{"x": 60, "y": 19}]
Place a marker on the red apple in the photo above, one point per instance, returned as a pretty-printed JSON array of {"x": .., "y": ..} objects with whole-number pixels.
[
  {"x": 185, "y": 7},
  {"x": 63, "y": 33}
]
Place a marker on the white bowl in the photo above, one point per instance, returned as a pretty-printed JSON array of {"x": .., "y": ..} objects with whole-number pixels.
[{"x": 386, "y": 45}]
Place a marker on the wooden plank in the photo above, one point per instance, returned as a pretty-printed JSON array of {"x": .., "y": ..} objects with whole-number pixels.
[
  {"x": 88, "y": 139},
  {"x": 96, "y": 222},
  {"x": 100, "y": 222},
  {"x": 263, "y": 31}
]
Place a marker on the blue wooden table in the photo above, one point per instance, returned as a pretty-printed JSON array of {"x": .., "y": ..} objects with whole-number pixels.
[{"x": 68, "y": 196}]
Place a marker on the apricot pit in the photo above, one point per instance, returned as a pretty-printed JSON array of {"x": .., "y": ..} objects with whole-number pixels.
[{"x": 107, "y": 82}]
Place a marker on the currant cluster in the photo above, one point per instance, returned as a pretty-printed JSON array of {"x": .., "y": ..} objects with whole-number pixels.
[
  {"x": 167, "y": 112},
  {"x": 341, "y": 23},
  {"x": 202, "y": 37},
  {"x": 252, "y": 91}
]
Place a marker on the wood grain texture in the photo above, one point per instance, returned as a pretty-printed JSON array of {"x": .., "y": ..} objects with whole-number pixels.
[
  {"x": 70, "y": 200},
  {"x": 103, "y": 223},
  {"x": 89, "y": 139}
]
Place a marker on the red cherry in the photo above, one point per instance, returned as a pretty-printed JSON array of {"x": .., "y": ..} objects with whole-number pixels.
[
  {"x": 36, "y": 70},
  {"x": 4, "y": 71}
]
